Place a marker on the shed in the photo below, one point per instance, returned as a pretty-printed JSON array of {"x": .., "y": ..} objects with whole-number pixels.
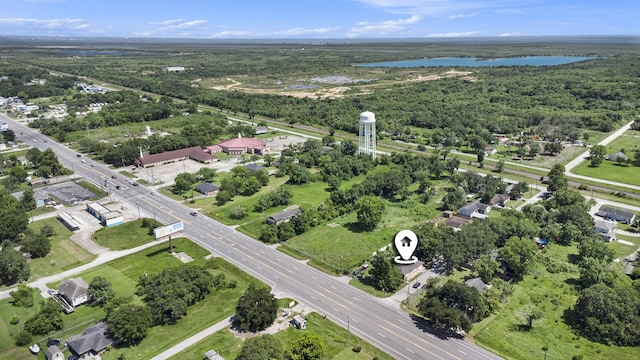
[
  {"x": 283, "y": 216},
  {"x": 299, "y": 322},
  {"x": 213, "y": 355},
  {"x": 208, "y": 188},
  {"x": 53, "y": 353}
]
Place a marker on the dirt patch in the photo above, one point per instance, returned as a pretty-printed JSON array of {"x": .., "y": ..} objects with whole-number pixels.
[{"x": 183, "y": 257}]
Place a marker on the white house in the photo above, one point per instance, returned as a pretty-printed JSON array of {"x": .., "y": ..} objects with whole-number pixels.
[{"x": 74, "y": 291}]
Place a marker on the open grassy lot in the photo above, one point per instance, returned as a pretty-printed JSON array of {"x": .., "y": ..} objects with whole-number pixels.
[
  {"x": 8, "y": 349},
  {"x": 65, "y": 253},
  {"x": 342, "y": 245},
  {"x": 612, "y": 171},
  {"x": 124, "y": 236},
  {"x": 551, "y": 293},
  {"x": 333, "y": 336}
]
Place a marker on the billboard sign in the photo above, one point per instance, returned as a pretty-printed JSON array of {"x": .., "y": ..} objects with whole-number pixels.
[{"x": 168, "y": 230}]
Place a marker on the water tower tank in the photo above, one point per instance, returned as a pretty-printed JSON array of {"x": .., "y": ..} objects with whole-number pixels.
[{"x": 367, "y": 117}]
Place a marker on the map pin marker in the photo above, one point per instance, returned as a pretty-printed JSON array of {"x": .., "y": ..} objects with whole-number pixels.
[{"x": 406, "y": 242}]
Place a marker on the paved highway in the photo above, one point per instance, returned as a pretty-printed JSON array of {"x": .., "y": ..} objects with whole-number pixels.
[{"x": 378, "y": 321}]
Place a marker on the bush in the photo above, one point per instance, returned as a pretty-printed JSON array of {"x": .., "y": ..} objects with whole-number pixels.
[
  {"x": 357, "y": 348},
  {"x": 15, "y": 320},
  {"x": 23, "y": 338}
]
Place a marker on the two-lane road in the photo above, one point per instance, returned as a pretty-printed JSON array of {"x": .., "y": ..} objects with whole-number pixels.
[{"x": 378, "y": 321}]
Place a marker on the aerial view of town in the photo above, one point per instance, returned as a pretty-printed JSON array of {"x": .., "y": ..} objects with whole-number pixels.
[{"x": 172, "y": 189}]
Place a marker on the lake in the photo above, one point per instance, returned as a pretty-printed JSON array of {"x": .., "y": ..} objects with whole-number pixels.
[{"x": 476, "y": 62}]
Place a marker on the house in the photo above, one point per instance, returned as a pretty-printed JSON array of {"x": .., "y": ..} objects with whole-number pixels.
[
  {"x": 208, "y": 189},
  {"x": 240, "y": 146},
  {"x": 94, "y": 341},
  {"x": 477, "y": 284},
  {"x": 475, "y": 210},
  {"x": 213, "y": 355},
  {"x": 500, "y": 200},
  {"x": 617, "y": 156},
  {"x": 456, "y": 222},
  {"x": 606, "y": 229},
  {"x": 173, "y": 68},
  {"x": 623, "y": 216},
  {"x": 490, "y": 151},
  {"x": 74, "y": 291},
  {"x": 283, "y": 216},
  {"x": 53, "y": 353},
  {"x": 299, "y": 322},
  {"x": 253, "y": 167}
]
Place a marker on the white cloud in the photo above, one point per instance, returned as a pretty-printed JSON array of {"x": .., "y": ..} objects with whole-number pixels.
[
  {"x": 41, "y": 23},
  {"x": 512, "y": 34},
  {"x": 462, "y": 16},
  {"x": 455, "y": 34},
  {"x": 383, "y": 27},
  {"x": 167, "y": 22}
]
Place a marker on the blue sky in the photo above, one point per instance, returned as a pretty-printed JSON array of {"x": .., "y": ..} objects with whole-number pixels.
[{"x": 309, "y": 19}]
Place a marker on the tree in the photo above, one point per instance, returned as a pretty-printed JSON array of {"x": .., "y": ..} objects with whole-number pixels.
[
  {"x": 38, "y": 245},
  {"x": 257, "y": 309},
  {"x": 557, "y": 179},
  {"x": 485, "y": 267},
  {"x": 453, "y": 199},
  {"x": 453, "y": 305},
  {"x": 593, "y": 271},
  {"x": 13, "y": 267},
  {"x": 100, "y": 290},
  {"x": 129, "y": 323},
  {"x": 22, "y": 297},
  {"x": 517, "y": 254},
  {"x": 23, "y": 338},
  {"x": 48, "y": 319},
  {"x": 609, "y": 315},
  {"x": 500, "y": 166},
  {"x": 370, "y": 211},
  {"x": 169, "y": 293},
  {"x": 534, "y": 149},
  {"x": 385, "y": 275},
  {"x": 553, "y": 148},
  {"x": 597, "y": 153},
  {"x": 309, "y": 346},
  {"x": 261, "y": 347},
  {"x": 27, "y": 201}
]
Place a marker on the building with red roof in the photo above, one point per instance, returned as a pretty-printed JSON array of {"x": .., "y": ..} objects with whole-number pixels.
[
  {"x": 194, "y": 153},
  {"x": 239, "y": 146}
]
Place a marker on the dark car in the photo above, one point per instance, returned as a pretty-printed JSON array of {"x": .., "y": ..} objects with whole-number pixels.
[
  {"x": 114, "y": 177},
  {"x": 117, "y": 187},
  {"x": 135, "y": 184},
  {"x": 193, "y": 213},
  {"x": 416, "y": 284},
  {"x": 78, "y": 155},
  {"x": 53, "y": 342}
]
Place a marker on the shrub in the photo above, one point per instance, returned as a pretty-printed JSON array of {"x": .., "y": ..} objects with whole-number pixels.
[
  {"x": 23, "y": 338},
  {"x": 15, "y": 320},
  {"x": 357, "y": 348}
]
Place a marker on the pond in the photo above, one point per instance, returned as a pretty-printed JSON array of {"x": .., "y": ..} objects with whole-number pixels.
[{"x": 477, "y": 62}]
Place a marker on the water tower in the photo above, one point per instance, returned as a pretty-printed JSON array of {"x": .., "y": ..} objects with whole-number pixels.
[{"x": 367, "y": 134}]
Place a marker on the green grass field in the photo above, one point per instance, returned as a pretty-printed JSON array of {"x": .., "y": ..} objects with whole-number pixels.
[
  {"x": 65, "y": 253},
  {"x": 124, "y": 236},
  {"x": 552, "y": 294},
  {"x": 333, "y": 336}
]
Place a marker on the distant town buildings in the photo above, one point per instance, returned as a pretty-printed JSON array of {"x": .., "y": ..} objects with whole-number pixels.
[{"x": 173, "y": 68}]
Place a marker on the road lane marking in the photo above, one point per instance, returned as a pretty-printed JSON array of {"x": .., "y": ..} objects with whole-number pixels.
[
  {"x": 422, "y": 348},
  {"x": 382, "y": 335},
  {"x": 421, "y": 339}
]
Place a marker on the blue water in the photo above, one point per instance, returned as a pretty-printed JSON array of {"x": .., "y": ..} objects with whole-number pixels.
[{"x": 475, "y": 62}]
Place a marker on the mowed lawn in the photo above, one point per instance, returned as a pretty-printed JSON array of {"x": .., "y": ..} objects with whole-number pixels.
[
  {"x": 124, "y": 236},
  {"x": 124, "y": 273},
  {"x": 64, "y": 255},
  {"x": 334, "y": 337},
  {"x": 610, "y": 170},
  {"x": 553, "y": 294}
]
